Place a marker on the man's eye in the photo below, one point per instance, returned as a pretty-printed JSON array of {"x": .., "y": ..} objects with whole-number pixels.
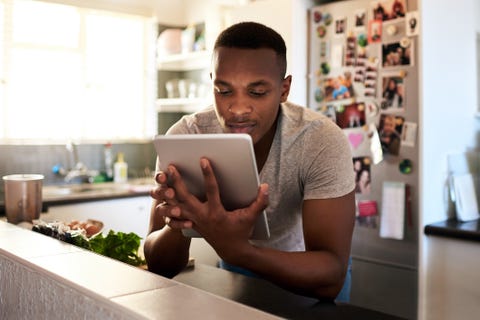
[
  {"x": 223, "y": 91},
  {"x": 258, "y": 93}
]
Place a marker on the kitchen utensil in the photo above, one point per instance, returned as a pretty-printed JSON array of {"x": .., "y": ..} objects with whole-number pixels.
[{"x": 23, "y": 197}]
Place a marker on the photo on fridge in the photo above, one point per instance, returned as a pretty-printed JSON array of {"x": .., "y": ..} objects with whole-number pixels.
[{"x": 393, "y": 92}]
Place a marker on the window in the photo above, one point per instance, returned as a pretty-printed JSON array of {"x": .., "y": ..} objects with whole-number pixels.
[{"x": 74, "y": 73}]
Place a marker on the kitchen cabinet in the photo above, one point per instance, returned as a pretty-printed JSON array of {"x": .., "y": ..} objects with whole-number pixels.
[
  {"x": 451, "y": 286},
  {"x": 452, "y": 290}
]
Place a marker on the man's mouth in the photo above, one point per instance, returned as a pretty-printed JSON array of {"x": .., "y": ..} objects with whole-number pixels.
[{"x": 243, "y": 127}]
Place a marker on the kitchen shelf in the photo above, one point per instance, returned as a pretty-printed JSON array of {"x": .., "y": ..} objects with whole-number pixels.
[
  {"x": 185, "y": 61},
  {"x": 184, "y": 105}
]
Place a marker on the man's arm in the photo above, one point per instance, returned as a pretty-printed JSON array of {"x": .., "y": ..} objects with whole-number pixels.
[
  {"x": 166, "y": 250},
  {"x": 320, "y": 270}
]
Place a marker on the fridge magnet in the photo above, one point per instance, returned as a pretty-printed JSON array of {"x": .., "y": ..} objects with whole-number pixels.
[
  {"x": 388, "y": 10},
  {"x": 374, "y": 31},
  {"x": 317, "y": 16},
  {"x": 409, "y": 134},
  {"x": 360, "y": 19},
  {"x": 327, "y": 19},
  {"x": 405, "y": 42},
  {"x": 338, "y": 87},
  {"x": 321, "y": 31},
  {"x": 405, "y": 166},
  {"x": 411, "y": 23},
  {"x": 390, "y": 129},
  {"x": 325, "y": 68},
  {"x": 361, "y": 166},
  {"x": 351, "y": 116},
  {"x": 392, "y": 30},
  {"x": 340, "y": 26},
  {"x": 394, "y": 54},
  {"x": 362, "y": 40},
  {"x": 393, "y": 93}
]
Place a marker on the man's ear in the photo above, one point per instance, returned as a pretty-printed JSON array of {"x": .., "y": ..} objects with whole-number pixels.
[{"x": 286, "y": 83}]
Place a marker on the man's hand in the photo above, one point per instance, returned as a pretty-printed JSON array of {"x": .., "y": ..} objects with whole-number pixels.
[{"x": 224, "y": 230}]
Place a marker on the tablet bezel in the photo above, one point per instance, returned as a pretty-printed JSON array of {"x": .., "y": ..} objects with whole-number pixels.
[{"x": 227, "y": 153}]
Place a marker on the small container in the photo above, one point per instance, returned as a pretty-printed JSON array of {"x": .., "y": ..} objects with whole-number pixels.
[
  {"x": 23, "y": 197},
  {"x": 120, "y": 169}
]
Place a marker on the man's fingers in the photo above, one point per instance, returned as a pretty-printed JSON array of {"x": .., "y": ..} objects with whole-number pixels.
[{"x": 211, "y": 186}]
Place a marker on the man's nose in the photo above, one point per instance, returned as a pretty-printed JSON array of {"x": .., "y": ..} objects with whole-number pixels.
[{"x": 240, "y": 105}]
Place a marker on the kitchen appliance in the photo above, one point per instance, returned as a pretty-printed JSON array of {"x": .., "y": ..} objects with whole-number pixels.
[{"x": 363, "y": 74}]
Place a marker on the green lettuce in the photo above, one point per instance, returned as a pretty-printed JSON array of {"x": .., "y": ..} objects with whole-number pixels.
[{"x": 119, "y": 246}]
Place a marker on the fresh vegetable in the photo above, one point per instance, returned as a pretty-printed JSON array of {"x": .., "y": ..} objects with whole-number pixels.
[
  {"x": 116, "y": 245},
  {"x": 120, "y": 246}
]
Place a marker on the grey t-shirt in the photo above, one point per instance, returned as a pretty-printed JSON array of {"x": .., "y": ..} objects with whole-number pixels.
[{"x": 310, "y": 158}]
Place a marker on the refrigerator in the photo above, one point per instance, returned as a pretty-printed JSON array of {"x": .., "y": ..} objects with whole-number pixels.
[{"x": 363, "y": 74}]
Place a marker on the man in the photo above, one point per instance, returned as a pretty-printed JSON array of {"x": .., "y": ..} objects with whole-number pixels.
[{"x": 304, "y": 164}]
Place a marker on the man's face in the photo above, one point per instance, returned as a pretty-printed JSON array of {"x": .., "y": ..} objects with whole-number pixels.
[{"x": 248, "y": 89}]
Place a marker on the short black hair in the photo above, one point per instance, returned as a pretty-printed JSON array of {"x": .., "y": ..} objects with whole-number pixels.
[{"x": 253, "y": 35}]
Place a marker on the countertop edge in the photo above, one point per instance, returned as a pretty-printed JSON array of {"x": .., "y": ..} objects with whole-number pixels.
[{"x": 452, "y": 228}]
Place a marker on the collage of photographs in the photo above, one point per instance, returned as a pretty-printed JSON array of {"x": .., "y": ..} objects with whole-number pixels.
[{"x": 361, "y": 80}]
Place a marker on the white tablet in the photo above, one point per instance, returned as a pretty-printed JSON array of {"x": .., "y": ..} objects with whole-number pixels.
[{"x": 233, "y": 161}]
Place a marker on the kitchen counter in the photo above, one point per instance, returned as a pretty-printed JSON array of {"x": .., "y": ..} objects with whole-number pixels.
[
  {"x": 52, "y": 278},
  {"x": 265, "y": 296},
  {"x": 452, "y": 228},
  {"x": 56, "y": 280}
]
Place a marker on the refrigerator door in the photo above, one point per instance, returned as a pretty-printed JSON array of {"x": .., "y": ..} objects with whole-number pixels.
[{"x": 363, "y": 74}]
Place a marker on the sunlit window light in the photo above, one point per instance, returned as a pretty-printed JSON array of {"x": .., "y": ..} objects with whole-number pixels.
[{"x": 74, "y": 73}]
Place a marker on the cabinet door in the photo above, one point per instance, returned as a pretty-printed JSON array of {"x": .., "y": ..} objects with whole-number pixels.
[{"x": 126, "y": 214}]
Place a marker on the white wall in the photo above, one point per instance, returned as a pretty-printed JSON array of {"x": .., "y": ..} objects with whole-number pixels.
[
  {"x": 448, "y": 94},
  {"x": 448, "y": 104}
]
